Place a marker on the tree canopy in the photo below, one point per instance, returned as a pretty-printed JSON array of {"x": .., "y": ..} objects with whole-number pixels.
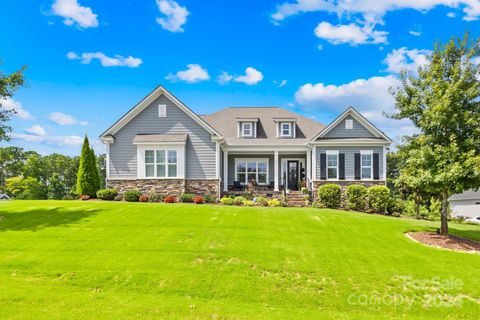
[{"x": 9, "y": 84}]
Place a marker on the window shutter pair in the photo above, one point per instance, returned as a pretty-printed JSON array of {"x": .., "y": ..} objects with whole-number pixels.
[
  {"x": 323, "y": 166},
  {"x": 376, "y": 166}
]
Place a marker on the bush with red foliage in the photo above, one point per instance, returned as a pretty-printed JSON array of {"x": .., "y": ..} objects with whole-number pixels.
[
  {"x": 198, "y": 199},
  {"x": 143, "y": 198},
  {"x": 84, "y": 197},
  {"x": 169, "y": 199}
]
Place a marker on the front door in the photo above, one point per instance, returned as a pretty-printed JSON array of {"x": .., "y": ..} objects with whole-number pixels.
[{"x": 292, "y": 174}]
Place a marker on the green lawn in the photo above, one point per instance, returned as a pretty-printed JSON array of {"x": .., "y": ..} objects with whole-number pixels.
[{"x": 110, "y": 260}]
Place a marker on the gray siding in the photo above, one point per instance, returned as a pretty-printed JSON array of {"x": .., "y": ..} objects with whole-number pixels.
[
  {"x": 349, "y": 159},
  {"x": 358, "y": 131},
  {"x": 199, "y": 150}
]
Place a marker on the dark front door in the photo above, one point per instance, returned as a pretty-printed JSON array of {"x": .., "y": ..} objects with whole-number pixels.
[{"x": 292, "y": 174}]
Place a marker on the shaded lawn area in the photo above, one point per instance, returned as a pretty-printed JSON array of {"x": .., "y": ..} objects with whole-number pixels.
[{"x": 110, "y": 260}]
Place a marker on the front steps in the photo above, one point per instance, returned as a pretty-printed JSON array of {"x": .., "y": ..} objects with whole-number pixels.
[{"x": 295, "y": 199}]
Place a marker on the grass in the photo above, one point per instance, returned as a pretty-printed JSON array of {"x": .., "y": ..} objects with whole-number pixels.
[{"x": 110, "y": 260}]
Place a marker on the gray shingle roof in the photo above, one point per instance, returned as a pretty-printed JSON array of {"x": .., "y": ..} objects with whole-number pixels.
[
  {"x": 146, "y": 138},
  {"x": 225, "y": 121},
  {"x": 469, "y": 194}
]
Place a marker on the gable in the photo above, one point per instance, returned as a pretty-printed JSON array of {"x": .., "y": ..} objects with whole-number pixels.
[{"x": 358, "y": 130}]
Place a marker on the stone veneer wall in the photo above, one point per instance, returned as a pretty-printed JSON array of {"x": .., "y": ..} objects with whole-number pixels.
[{"x": 167, "y": 186}]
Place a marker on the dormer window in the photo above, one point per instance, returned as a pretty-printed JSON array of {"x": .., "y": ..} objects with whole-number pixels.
[
  {"x": 286, "y": 129},
  {"x": 246, "y": 129}
]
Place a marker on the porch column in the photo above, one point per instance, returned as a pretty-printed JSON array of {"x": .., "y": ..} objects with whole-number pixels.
[
  {"x": 275, "y": 171},
  {"x": 309, "y": 167},
  {"x": 314, "y": 163},
  {"x": 225, "y": 170}
]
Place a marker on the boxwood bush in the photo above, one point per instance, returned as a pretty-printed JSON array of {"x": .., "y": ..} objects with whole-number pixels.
[
  {"x": 187, "y": 197},
  {"x": 378, "y": 197},
  {"x": 227, "y": 201},
  {"x": 356, "y": 197},
  {"x": 132, "y": 195},
  {"x": 209, "y": 198},
  {"x": 107, "y": 194},
  {"x": 330, "y": 195}
]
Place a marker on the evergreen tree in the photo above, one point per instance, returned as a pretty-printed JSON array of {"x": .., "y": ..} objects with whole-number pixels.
[
  {"x": 93, "y": 158},
  {"x": 86, "y": 177}
]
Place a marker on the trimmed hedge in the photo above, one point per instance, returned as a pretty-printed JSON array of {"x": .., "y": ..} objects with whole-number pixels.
[
  {"x": 132, "y": 195},
  {"x": 227, "y": 201},
  {"x": 107, "y": 194},
  {"x": 378, "y": 198},
  {"x": 330, "y": 195},
  {"x": 356, "y": 197}
]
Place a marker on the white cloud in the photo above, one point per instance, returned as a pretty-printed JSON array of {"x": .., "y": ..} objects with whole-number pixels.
[
  {"x": 175, "y": 15},
  {"x": 73, "y": 13},
  {"x": 352, "y": 33},
  {"x": 36, "y": 130},
  {"x": 451, "y": 15},
  {"x": 10, "y": 104},
  {"x": 105, "y": 61},
  {"x": 224, "y": 77},
  {"x": 193, "y": 74},
  {"x": 372, "y": 8},
  {"x": 404, "y": 59},
  {"x": 280, "y": 84},
  {"x": 415, "y": 33},
  {"x": 65, "y": 119},
  {"x": 60, "y": 141},
  {"x": 252, "y": 76}
]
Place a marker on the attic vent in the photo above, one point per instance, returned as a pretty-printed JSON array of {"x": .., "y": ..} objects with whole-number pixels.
[
  {"x": 162, "y": 110},
  {"x": 349, "y": 124}
]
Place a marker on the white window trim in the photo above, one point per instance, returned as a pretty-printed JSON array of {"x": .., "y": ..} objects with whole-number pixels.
[
  {"x": 179, "y": 148},
  {"x": 349, "y": 124},
  {"x": 162, "y": 110},
  {"x": 266, "y": 160},
  {"x": 368, "y": 152},
  {"x": 289, "y": 129},
  {"x": 331, "y": 152},
  {"x": 242, "y": 125}
]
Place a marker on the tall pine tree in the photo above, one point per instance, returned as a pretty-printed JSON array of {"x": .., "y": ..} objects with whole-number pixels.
[
  {"x": 93, "y": 158},
  {"x": 87, "y": 176}
]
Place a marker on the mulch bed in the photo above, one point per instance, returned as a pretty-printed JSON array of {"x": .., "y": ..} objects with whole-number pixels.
[{"x": 449, "y": 242}]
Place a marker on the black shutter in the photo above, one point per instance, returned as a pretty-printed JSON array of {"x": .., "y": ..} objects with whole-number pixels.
[
  {"x": 357, "y": 166},
  {"x": 376, "y": 167},
  {"x": 341, "y": 166},
  {"x": 323, "y": 166}
]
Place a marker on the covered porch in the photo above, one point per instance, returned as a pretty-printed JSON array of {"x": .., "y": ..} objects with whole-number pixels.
[{"x": 267, "y": 171}]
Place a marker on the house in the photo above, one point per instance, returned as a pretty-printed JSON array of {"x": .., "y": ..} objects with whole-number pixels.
[
  {"x": 161, "y": 145},
  {"x": 4, "y": 196},
  {"x": 466, "y": 204}
]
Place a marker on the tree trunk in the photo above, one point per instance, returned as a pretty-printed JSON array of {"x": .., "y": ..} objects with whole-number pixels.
[
  {"x": 443, "y": 216},
  {"x": 417, "y": 207}
]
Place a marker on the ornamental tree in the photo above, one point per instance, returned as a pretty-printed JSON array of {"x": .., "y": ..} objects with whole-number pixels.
[{"x": 87, "y": 179}]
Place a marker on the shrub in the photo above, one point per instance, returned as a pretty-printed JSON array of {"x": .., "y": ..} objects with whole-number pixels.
[
  {"x": 118, "y": 198},
  {"x": 395, "y": 206},
  {"x": 378, "y": 198},
  {"x": 305, "y": 190},
  {"x": 132, "y": 195},
  {"x": 84, "y": 197},
  {"x": 198, "y": 200},
  {"x": 239, "y": 200},
  {"x": 87, "y": 175},
  {"x": 143, "y": 198},
  {"x": 227, "y": 201},
  {"x": 274, "y": 203},
  {"x": 247, "y": 203},
  {"x": 107, "y": 194},
  {"x": 155, "y": 197},
  {"x": 169, "y": 199},
  {"x": 29, "y": 188},
  {"x": 261, "y": 201},
  {"x": 209, "y": 198},
  {"x": 329, "y": 195},
  {"x": 187, "y": 197},
  {"x": 70, "y": 196},
  {"x": 356, "y": 197}
]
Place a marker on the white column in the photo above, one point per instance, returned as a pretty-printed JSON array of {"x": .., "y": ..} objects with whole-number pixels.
[
  {"x": 217, "y": 159},
  {"x": 385, "y": 164},
  {"x": 107, "y": 162},
  {"x": 314, "y": 163},
  {"x": 225, "y": 170},
  {"x": 309, "y": 167},
  {"x": 275, "y": 170}
]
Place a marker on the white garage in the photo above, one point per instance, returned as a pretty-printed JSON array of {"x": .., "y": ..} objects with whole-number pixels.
[{"x": 465, "y": 204}]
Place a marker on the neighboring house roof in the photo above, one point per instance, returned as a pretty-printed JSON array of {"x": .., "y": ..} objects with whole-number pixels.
[
  {"x": 357, "y": 116},
  {"x": 146, "y": 102},
  {"x": 225, "y": 122},
  {"x": 4, "y": 196},
  {"x": 155, "y": 138},
  {"x": 466, "y": 195}
]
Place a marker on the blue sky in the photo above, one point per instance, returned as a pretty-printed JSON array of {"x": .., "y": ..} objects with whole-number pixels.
[{"x": 90, "y": 61}]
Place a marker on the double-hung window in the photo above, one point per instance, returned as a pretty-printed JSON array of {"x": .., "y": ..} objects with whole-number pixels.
[
  {"x": 286, "y": 129},
  {"x": 332, "y": 165},
  {"x": 246, "y": 129},
  {"x": 366, "y": 164},
  {"x": 161, "y": 163},
  {"x": 247, "y": 170}
]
